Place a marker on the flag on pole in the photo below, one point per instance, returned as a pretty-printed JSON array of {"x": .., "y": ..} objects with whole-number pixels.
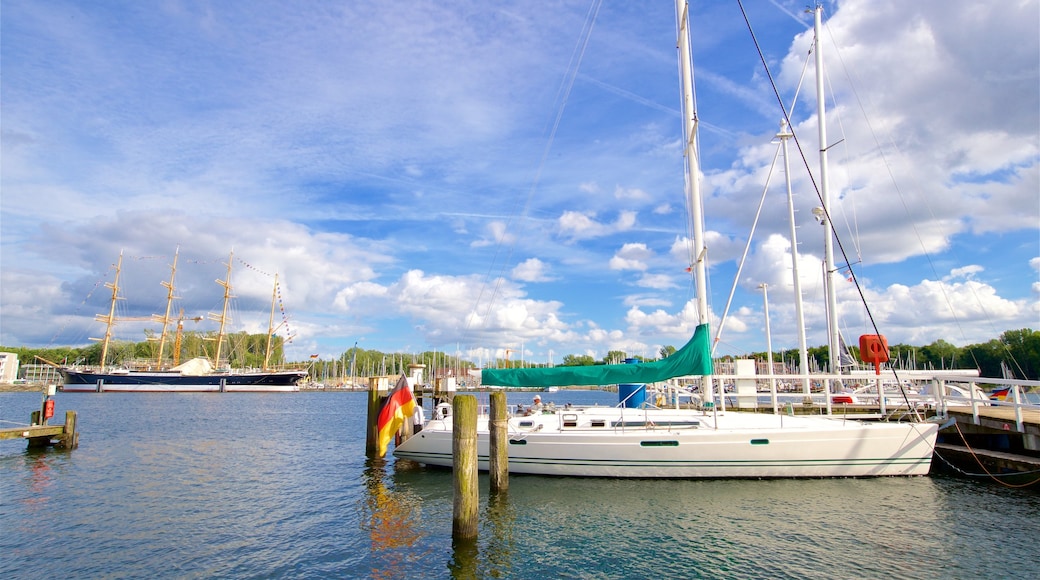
[{"x": 398, "y": 407}]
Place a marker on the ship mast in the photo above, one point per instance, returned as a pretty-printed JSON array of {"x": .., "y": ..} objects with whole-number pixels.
[
  {"x": 222, "y": 317},
  {"x": 111, "y": 318},
  {"x": 270, "y": 324},
  {"x": 165, "y": 319}
]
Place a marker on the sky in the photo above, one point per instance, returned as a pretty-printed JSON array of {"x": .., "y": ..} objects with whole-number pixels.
[{"x": 494, "y": 179}]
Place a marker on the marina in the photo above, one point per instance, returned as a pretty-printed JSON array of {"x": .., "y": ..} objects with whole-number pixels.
[{"x": 186, "y": 483}]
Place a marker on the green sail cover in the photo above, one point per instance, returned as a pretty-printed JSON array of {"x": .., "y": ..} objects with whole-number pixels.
[{"x": 692, "y": 359}]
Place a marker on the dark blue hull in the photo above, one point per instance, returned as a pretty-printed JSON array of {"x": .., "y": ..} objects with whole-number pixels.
[{"x": 159, "y": 381}]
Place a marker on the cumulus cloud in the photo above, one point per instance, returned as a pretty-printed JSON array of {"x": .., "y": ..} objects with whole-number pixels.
[
  {"x": 582, "y": 225},
  {"x": 531, "y": 270}
]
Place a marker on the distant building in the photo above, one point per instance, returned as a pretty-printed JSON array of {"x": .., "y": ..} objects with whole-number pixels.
[{"x": 8, "y": 367}]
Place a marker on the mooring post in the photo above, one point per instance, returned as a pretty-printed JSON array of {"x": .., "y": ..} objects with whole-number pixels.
[
  {"x": 69, "y": 436},
  {"x": 464, "y": 467},
  {"x": 498, "y": 454},
  {"x": 372, "y": 432}
]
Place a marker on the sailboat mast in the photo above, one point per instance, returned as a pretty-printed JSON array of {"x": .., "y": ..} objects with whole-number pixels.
[
  {"x": 690, "y": 151},
  {"x": 828, "y": 243},
  {"x": 803, "y": 351},
  {"x": 270, "y": 324},
  {"x": 692, "y": 162},
  {"x": 111, "y": 318},
  {"x": 223, "y": 315},
  {"x": 169, "y": 302}
]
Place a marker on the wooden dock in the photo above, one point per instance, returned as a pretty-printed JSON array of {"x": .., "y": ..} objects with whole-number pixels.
[
  {"x": 1000, "y": 443},
  {"x": 43, "y": 435}
]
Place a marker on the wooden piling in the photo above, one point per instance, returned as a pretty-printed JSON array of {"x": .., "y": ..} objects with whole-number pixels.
[
  {"x": 70, "y": 437},
  {"x": 464, "y": 468},
  {"x": 498, "y": 453},
  {"x": 372, "y": 432}
]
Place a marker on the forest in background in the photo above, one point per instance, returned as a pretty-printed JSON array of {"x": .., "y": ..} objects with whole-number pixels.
[{"x": 1014, "y": 351}]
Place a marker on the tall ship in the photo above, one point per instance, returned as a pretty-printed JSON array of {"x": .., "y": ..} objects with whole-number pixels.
[{"x": 198, "y": 374}]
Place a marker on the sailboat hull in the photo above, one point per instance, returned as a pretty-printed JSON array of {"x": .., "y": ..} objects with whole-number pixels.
[
  {"x": 606, "y": 442},
  {"x": 144, "y": 382}
]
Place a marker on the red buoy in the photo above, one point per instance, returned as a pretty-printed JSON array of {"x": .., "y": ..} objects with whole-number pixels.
[{"x": 873, "y": 348}]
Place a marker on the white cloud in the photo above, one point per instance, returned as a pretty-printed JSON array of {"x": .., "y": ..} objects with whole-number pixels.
[
  {"x": 633, "y": 256},
  {"x": 582, "y": 225},
  {"x": 531, "y": 270}
]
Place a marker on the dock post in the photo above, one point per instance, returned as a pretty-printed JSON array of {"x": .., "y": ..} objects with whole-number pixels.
[
  {"x": 498, "y": 454},
  {"x": 464, "y": 468},
  {"x": 371, "y": 431},
  {"x": 69, "y": 436}
]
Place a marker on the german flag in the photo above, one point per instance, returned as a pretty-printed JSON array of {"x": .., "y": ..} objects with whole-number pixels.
[{"x": 398, "y": 407}]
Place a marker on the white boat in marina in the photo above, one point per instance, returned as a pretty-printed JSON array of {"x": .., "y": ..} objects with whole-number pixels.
[
  {"x": 705, "y": 442},
  {"x": 650, "y": 443}
]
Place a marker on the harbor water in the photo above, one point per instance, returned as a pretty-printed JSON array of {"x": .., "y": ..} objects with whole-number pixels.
[{"x": 278, "y": 486}]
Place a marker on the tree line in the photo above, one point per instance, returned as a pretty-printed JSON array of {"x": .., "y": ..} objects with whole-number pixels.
[
  {"x": 1016, "y": 352},
  {"x": 240, "y": 350}
]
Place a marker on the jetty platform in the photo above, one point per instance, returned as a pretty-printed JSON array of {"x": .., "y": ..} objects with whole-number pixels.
[
  {"x": 43, "y": 435},
  {"x": 996, "y": 442}
]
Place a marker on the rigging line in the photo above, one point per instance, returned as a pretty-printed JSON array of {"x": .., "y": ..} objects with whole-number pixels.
[
  {"x": 805, "y": 161},
  {"x": 563, "y": 96},
  {"x": 903, "y": 202},
  {"x": 769, "y": 176},
  {"x": 747, "y": 246},
  {"x": 853, "y": 231}
]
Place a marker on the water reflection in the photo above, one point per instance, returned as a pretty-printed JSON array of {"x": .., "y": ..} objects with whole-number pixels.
[
  {"x": 465, "y": 556},
  {"x": 392, "y": 519},
  {"x": 498, "y": 525}
]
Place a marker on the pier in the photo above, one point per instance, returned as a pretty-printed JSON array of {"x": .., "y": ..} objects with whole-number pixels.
[
  {"x": 39, "y": 434},
  {"x": 61, "y": 436},
  {"x": 996, "y": 442}
]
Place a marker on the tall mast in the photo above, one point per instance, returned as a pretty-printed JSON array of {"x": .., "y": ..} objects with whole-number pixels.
[
  {"x": 270, "y": 323},
  {"x": 222, "y": 318},
  {"x": 803, "y": 353},
  {"x": 691, "y": 153},
  {"x": 825, "y": 219},
  {"x": 169, "y": 302},
  {"x": 110, "y": 320},
  {"x": 692, "y": 162}
]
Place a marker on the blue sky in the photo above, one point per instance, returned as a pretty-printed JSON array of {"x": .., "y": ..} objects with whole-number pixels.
[{"x": 481, "y": 176}]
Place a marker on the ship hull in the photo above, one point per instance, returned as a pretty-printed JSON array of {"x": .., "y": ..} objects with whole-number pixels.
[{"x": 172, "y": 382}]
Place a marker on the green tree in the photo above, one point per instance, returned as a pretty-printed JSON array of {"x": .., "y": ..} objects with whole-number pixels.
[
  {"x": 578, "y": 360},
  {"x": 615, "y": 357}
]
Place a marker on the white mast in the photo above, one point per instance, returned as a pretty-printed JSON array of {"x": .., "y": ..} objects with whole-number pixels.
[
  {"x": 828, "y": 242},
  {"x": 803, "y": 354},
  {"x": 693, "y": 174}
]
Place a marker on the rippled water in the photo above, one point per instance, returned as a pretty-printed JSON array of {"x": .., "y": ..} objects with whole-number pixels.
[{"x": 277, "y": 486}]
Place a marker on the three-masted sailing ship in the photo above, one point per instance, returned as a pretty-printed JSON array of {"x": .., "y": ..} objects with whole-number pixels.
[{"x": 195, "y": 375}]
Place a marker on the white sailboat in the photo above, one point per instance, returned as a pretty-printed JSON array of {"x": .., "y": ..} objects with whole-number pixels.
[{"x": 651, "y": 442}]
